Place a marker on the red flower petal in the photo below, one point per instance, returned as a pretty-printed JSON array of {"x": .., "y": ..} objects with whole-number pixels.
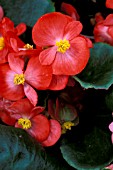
[
  {"x": 35, "y": 111},
  {"x": 40, "y": 127},
  {"x": 21, "y": 108},
  {"x": 3, "y": 55},
  {"x": 47, "y": 56},
  {"x": 109, "y": 20},
  {"x": 6, "y": 118},
  {"x": 15, "y": 63},
  {"x": 55, "y": 133},
  {"x": 30, "y": 94},
  {"x": 70, "y": 10},
  {"x": 74, "y": 60},
  {"x": 37, "y": 75},
  {"x": 49, "y": 28},
  {"x": 20, "y": 28},
  {"x": 58, "y": 82},
  {"x": 72, "y": 30},
  {"x": 109, "y": 4},
  {"x": 14, "y": 44},
  {"x": 7, "y": 87}
]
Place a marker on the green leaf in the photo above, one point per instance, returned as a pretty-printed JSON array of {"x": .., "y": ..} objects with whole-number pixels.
[
  {"x": 93, "y": 152},
  {"x": 19, "y": 151},
  {"x": 26, "y": 11},
  {"x": 98, "y": 73}
]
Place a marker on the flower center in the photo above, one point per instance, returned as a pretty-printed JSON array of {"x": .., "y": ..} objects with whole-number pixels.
[
  {"x": 25, "y": 123},
  {"x": 66, "y": 126},
  {"x": 2, "y": 43},
  {"x": 62, "y": 45},
  {"x": 28, "y": 46},
  {"x": 19, "y": 79}
]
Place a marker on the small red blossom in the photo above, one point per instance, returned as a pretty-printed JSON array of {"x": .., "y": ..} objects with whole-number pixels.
[
  {"x": 65, "y": 50},
  {"x": 103, "y": 30},
  {"x": 29, "y": 118},
  {"x": 36, "y": 124},
  {"x": 16, "y": 83}
]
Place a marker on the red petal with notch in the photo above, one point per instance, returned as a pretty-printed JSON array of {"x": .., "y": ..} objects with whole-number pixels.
[
  {"x": 37, "y": 75},
  {"x": 55, "y": 133},
  {"x": 40, "y": 127},
  {"x": 30, "y": 94},
  {"x": 7, "y": 87},
  {"x": 49, "y": 28}
]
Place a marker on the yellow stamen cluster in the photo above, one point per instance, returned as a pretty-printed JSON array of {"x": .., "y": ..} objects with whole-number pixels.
[
  {"x": 2, "y": 43},
  {"x": 63, "y": 45},
  {"x": 28, "y": 46},
  {"x": 66, "y": 126},
  {"x": 25, "y": 123},
  {"x": 19, "y": 79}
]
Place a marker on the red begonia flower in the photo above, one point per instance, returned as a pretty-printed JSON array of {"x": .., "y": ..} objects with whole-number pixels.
[
  {"x": 69, "y": 10},
  {"x": 8, "y": 32},
  {"x": 55, "y": 133},
  {"x": 66, "y": 50},
  {"x": 16, "y": 83},
  {"x": 29, "y": 118},
  {"x": 103, "y": 30},
  {"x": 109, "y": 4}
]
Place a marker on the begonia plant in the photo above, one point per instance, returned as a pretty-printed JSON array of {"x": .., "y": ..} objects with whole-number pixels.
[{"x": 56, "y": 85}]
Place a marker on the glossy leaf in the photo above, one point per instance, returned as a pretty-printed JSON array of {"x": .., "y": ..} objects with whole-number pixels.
[
  {"x": 92, "y": 153},
  {"x": 19, "y": 151},
  {"x": 26, "y": 11},
  {"x": 98, "y": 73}
]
